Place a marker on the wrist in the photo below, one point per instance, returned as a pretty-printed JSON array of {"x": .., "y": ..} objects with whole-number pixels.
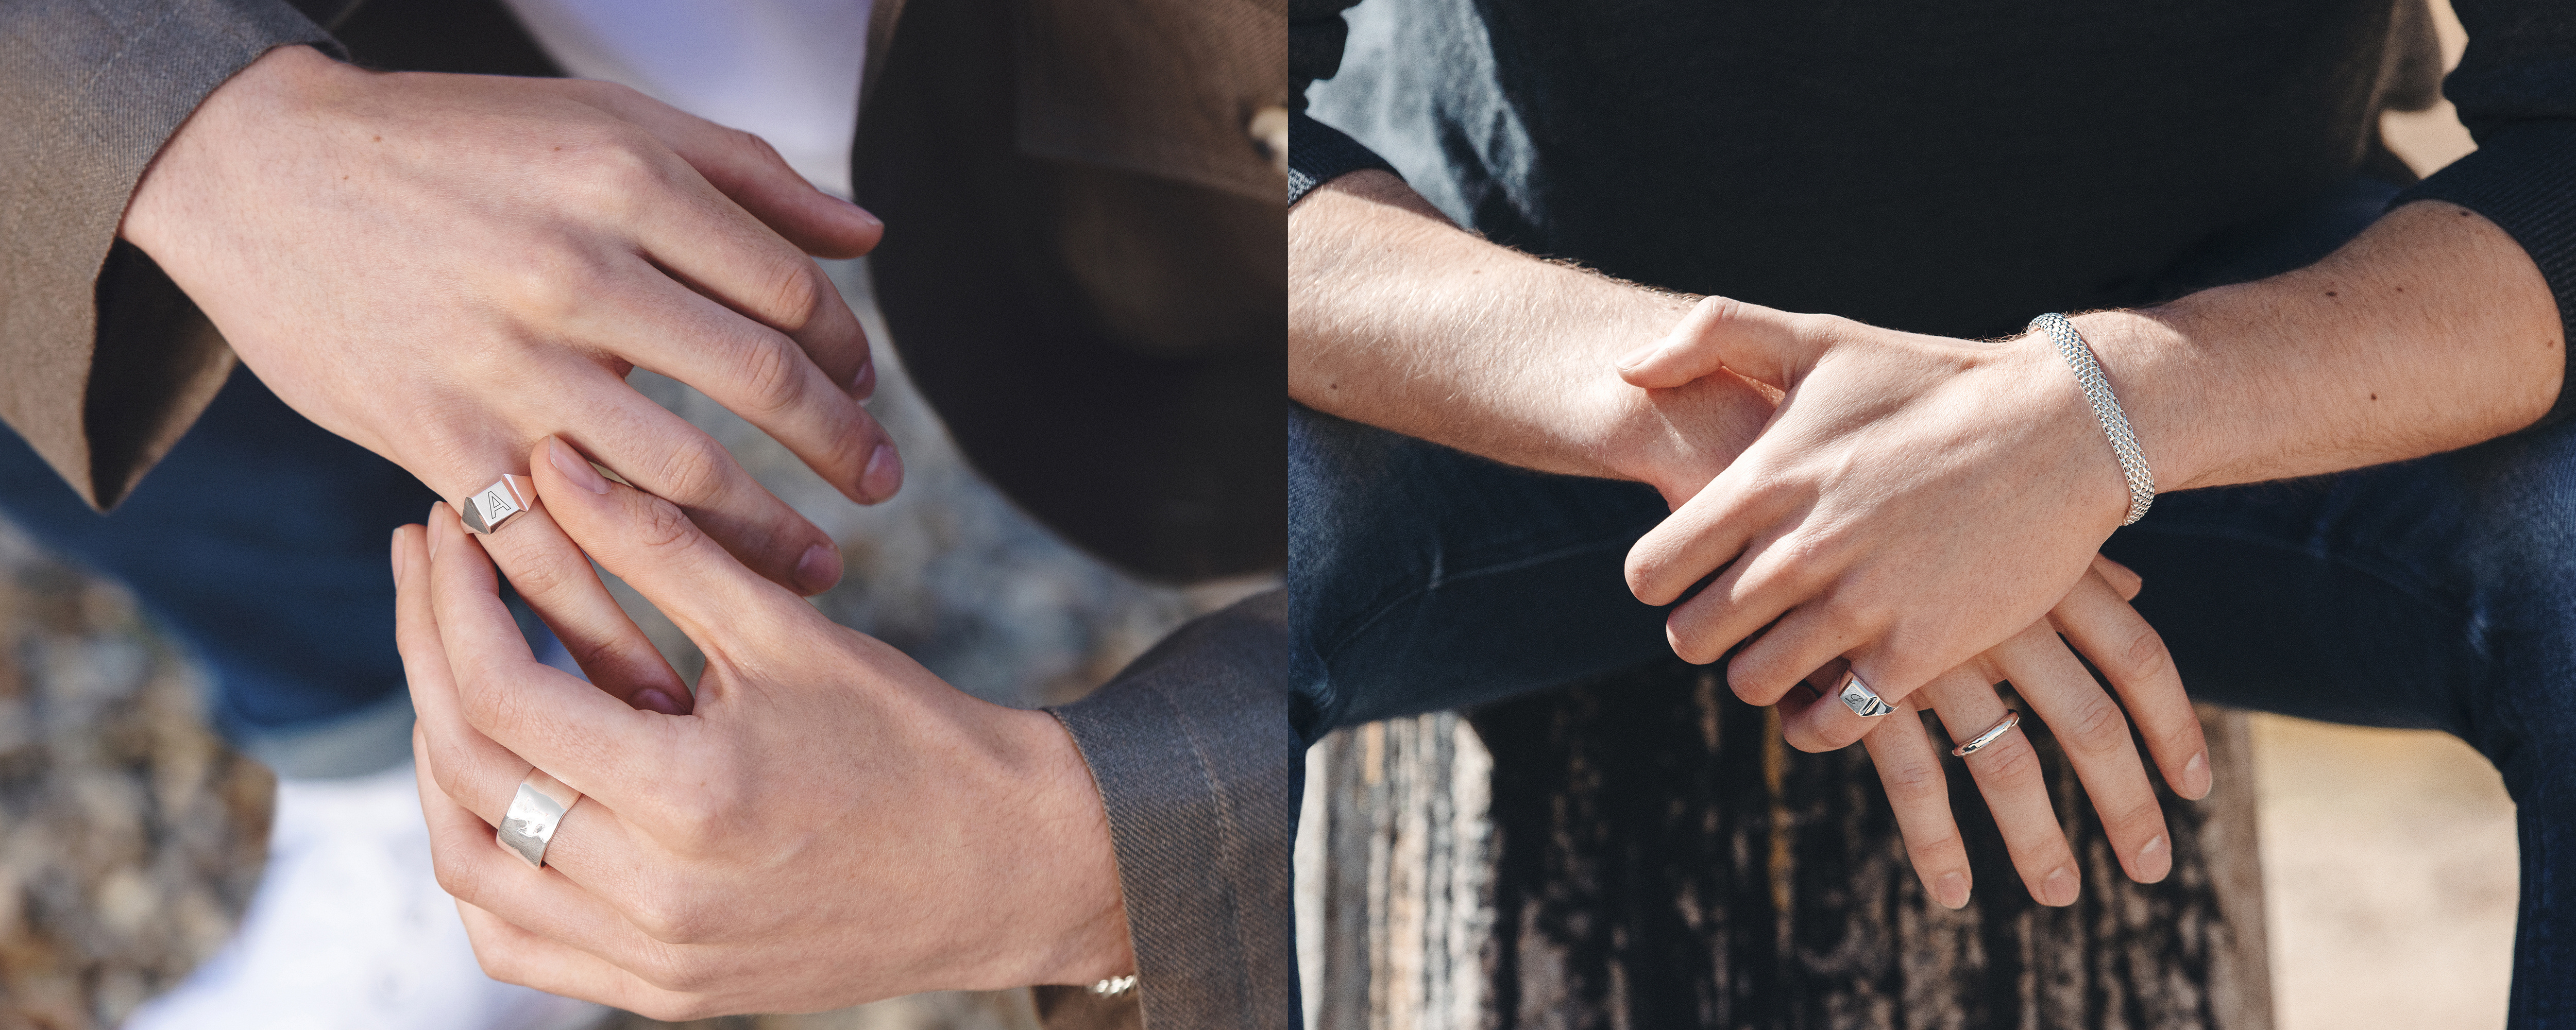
[
  {"x": 238, "y": 114},
  {"x": 2148, "y": 358},
  {"x": 1076, "y": 863}
]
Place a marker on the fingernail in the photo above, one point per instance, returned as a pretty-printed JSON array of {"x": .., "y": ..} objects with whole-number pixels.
[
  {"x": 864, "y": 384},
  {"x": 652, "y": 699},
  {"x": 2195, "y": 777},
  {"x": 2153, "y": 862},
  {"x": 2059, "y": 889},
  {"x": 884, "y": 474},
  {"x": 397, "y": 549},
  {"x": 1638, "y": 357},
  {"x": 573, "y": 466},
  {"x": 819, "y": 568},
  {"x": 1952, "y": 892},
  {"x": 865, "y": 215},
  {"x": 435, "y": 508}
]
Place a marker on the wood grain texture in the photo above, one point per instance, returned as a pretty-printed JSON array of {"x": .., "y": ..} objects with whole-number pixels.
[{"x": 1653, "y": 856}]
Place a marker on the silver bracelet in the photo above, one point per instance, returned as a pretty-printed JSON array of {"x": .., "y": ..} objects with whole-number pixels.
[{"x": 2115, "y": 423}]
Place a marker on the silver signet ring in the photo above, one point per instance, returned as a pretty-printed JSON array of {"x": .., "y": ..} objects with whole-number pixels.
[
  {"x": 1863, "y": 701},
  {"x": 538, "y": 808},
  {"x": 493, "y": 505}
]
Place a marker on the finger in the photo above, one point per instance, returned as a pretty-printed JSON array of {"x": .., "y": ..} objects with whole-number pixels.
[
  {"x": 1793, "y": 648},
  {"x": 2008, "y": 776},
  {"x": 1712, "y": 530},
  {"x": 2118, "y": 641},
  {"x": 1909, "y": 766},
  {"x": 1753, "y": 592},
  {"x": 556, "y": 580},
  {"x": 662, "y": 454},
  {"x": 654, "y": 547},
  {"x": 2122, "y": 581},
  {"x": 754, "y": 371},
  {"x": 474, "y": 867},
  {"x": 1756, "y": 342},
  {"x": 576, "y": 733},
  {"x": 2095, "y": 735},
  {"x": 750, "y": 172},
  {"x": 718, "y": 249},
  {"x": 513, "y": 955}
]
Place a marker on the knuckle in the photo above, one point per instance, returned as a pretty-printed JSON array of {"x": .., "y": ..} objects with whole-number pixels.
[
  {"x": 792, "y": 293},
  {"x": 692, "y": 474},
  {"x": 1910, "y": 781},
  {"x": 673, "y": 918},
  {"x": 2095, "y": 726},
  {"x": 545, "y": 285},
  {"x": 772, "y": 378},
  {"x": 499, "y": 961},
  {"x": 2010, "y": 761},
  {"x": 545, "y": 575},
  {"x": 671, "y": 970},
  {"x": 2145, "y": 654},
  {"x": 620, "y": 168},
  {"x": 2141, "y": 814},
  {"x": 455, "y": 878}
]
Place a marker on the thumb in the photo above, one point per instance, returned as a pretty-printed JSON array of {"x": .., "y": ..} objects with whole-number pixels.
[
  {"x": 1753, "y": 341},
  {"x": 745, "y": 168}
]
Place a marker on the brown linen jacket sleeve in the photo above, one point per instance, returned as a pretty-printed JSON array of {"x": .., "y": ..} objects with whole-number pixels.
[
  {"x": 1202, "y": 775},
  {"x": 88, "y": 93}
]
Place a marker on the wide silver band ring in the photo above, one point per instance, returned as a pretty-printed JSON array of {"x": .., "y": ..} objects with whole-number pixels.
[
  {"x": 493, "y": 505},
  {"x": 1862, "y": 701},
  {"x": 538, "y": 808},
  {"x": 1993, "y": 733}
]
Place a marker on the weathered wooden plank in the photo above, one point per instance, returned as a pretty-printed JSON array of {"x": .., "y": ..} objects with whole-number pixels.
[{"x": 1653, "y": 856}]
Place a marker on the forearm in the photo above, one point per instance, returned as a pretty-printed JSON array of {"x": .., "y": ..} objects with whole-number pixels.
[
  {"x": 2431, "y": 331},
  {"x": 1400, "y": 319}
]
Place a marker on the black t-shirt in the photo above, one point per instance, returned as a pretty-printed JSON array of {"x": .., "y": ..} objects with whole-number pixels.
[{"x": 1949, "y": 168}]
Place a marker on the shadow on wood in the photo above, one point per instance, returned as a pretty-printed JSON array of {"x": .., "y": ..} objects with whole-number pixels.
[{"x": 1653, "y": 856}]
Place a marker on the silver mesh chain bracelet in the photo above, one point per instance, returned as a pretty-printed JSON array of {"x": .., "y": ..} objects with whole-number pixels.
[{"x": 2106, "y": 407}]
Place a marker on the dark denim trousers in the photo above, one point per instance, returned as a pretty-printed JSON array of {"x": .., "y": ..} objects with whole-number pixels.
[
  {"x": 260, "y": 543},
  {"x": 2438, "y": 593}
]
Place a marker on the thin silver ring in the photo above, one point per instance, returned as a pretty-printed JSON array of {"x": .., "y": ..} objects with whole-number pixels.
[
  {"x": 537, "y": 809},
  {"x": 1993, "y": 733},
  {"x": 1862, "y": 701}
]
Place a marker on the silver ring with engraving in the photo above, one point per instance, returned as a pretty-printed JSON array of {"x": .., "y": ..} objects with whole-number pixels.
[
  {"x": 485, "y": 511},
  {"x": 538, "y": 808},
  {"x": 1862, "y": 701},
  {"x": 1993, "y": 733}
]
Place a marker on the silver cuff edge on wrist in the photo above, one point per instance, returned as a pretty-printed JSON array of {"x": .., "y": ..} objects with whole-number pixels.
[{"x": 2106, "y": 408}]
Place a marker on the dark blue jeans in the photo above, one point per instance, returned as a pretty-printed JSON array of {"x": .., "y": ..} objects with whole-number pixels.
[
  {"x": 2437, "y": 594},
  {"x": 260, "y": 543}
]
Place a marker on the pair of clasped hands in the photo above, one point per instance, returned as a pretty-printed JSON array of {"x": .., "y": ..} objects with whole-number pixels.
[
  {"x": 1923, "y": 513},
  {"x": 458, "y": 272}
]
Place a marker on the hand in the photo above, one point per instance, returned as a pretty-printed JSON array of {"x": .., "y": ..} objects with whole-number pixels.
[
  {"x": 831, "y": 824},
  {"x": 447, "y": 268},
  {"x": 2096, "y": 617},
  {"x": 1913, "y": 501}
]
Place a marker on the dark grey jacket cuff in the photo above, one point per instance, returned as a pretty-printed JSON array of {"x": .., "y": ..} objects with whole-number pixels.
[
  {"x": 1319, "y": 153},
  {"x": 1202, "y": 776},
  {"x": 2523, "y": 178}
]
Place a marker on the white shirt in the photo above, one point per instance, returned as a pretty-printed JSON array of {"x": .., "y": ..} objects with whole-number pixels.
[{"x": 787, "y": 70}]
